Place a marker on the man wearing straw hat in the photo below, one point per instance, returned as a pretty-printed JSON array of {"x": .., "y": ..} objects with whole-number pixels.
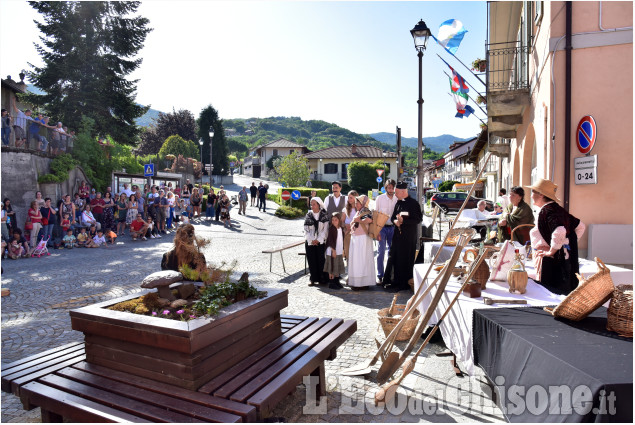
[
  {"x": 554, "y": 240},
  {"x": 406, "y": 217}
]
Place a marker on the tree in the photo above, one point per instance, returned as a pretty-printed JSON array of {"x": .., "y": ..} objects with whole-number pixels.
[
  {"x": 208, "y": 119},
  {"x": 176, "y": 145},
  {"x": 447, "y": 186},
  {"x": 88, "y": 50},
  {"x": 362, "y": 176},
  {"x": 271, "y": 160},
  {"x": 180, "y": 123},
  {"x": 293, "y": 170}
]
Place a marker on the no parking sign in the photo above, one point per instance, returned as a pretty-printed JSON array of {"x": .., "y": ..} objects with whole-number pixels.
[{"x": 586, "y": 134}]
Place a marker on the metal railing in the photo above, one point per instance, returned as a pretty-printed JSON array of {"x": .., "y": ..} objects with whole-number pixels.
[
  {"x": 47, "y": 140},
  {"x": 507, "y": 66}
]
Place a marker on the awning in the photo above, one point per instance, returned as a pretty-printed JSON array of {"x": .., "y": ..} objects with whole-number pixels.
[{"x": 480, "y": 185}]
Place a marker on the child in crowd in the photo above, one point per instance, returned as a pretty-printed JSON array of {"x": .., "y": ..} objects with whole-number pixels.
[
  {"x": 110, "y": 236},
  {"x": 99, "y": 240},
  {"x": 334, "y": 264},
  {"x": 92, "y": 232},
  {"x": 178, "y": 209},
  {"x": 185, "y": 218},
  {"x": 66, "y": 222},
  {"x": 82, "y": 238},
  {"x": 152, "y": 231},
  {"x": 18, "y": 247},
  {"x": 69, "y": 240}
]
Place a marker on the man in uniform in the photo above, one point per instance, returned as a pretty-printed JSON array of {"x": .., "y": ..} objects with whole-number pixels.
[
  {"x": 406, "y": 217},
  {"x": 385, "y": 204}
]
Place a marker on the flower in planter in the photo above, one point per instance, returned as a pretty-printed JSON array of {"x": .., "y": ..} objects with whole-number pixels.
[
  {"x": 154, "y": 313},
  {"x": 192, "y": 316},
  {"x": 166, "y": 312},
  {"x": 180, "y": 311}
]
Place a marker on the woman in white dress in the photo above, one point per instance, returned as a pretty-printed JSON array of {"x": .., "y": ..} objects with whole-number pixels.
[
  {"x": 361, "y": 264},
  {"x": 349, "y": 212}
]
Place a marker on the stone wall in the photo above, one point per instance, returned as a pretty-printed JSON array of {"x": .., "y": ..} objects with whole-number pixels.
[{"x": 20, "y": 172}]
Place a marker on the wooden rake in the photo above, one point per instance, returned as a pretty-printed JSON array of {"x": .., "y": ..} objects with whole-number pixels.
[{"x": 388, "y": 391}]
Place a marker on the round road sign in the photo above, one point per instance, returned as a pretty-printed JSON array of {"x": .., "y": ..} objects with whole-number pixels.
[
  {"x": 586, "y": 134},
  {"x": 295, "y": 195},
  {"x": 285, "y": 195},
  {"x": 379, "y": 179}
]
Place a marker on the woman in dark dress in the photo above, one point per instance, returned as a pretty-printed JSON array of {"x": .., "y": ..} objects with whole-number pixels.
[
  {"x": 108, "y": 213},
  {"x": 554, "y": 240}
]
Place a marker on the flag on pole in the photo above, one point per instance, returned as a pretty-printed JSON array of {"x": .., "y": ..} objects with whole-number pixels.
[
  {"x": 451, "y": 34},
  {"x": 458, "y": 82},
  {"x": 461, "y": 99}
]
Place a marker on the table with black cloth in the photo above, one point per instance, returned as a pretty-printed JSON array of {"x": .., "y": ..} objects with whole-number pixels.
[{"x": 530, "y": 349}]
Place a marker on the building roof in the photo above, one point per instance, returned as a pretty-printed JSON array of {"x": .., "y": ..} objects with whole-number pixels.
[
  {"x": 362, "y": 151},
  {"x": 15, "y": 86},
  {"x": 478, "y": 146},
  {"x": 281, "y": 143}
]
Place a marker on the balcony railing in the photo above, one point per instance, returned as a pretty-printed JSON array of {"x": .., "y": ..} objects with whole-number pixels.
[
  {"x": 507, "y": 66},
  {"x": 249, "y": 161}
]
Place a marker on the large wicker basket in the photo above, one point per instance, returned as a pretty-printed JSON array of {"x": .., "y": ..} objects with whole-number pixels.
[
  {"x": 389, "y": 323},
  {"x": 620, "y": 313},
  {"x": 590, "y": 294}
]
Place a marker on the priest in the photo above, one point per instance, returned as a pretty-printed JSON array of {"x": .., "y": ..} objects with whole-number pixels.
[{"x": 407, "y": 217}]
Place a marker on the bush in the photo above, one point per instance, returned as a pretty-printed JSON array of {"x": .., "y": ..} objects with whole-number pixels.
[
  {"x": 318, "y": 184},
  {"x": 289, "y": 212},
  {"x": 176, "y": 146},
  {"x": 60, "y": 166},
  {"x": 447, "y": 186},
  {"x": 362, "y": 175},
  {"x": 304, "y": 191}
]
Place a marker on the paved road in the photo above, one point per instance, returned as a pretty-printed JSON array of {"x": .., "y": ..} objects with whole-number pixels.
[{"x": 35, "y": 317}]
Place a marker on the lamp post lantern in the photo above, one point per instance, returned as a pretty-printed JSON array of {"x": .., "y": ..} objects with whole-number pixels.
[
  {"x": 200, "y": 142},
  {"x": 211, "y": 163},
  {"x": 420, "y": 34}
]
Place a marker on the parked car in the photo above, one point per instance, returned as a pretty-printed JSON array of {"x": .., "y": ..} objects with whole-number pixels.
[{"x": 452, "y": 201}]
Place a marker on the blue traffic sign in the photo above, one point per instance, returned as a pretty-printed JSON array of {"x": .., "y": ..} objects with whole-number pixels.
[
  {"x": 295, "y": 195},
  {"x": 379, "y": 179},
  {"x": 383, "y": 189},
  {"x": 586, "y": 134},
  {"x": 148, "y": 170}
]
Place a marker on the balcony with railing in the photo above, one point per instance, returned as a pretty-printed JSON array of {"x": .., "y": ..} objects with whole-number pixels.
[
  {"x": 251, "y": 160},
  {"x": 507, "y": 86}
]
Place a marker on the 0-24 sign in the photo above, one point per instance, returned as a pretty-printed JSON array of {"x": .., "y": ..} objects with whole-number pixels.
[{"x": 586, "y": 170}]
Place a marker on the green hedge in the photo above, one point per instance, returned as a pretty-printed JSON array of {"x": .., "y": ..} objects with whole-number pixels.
[
  {"x": 318, "y": 184},
  {"x": 304, "y": 192},
  {"x": 289, "y": 212}
]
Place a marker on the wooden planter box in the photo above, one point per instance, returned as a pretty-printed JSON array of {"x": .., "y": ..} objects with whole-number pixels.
[{"x": 187, "y": 354}]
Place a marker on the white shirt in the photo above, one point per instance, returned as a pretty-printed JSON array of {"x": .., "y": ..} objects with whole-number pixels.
[
  {"x": 128, "y": 192},
  {"x": 385, "y": 205},
  {"x": 503, "y": 200}
]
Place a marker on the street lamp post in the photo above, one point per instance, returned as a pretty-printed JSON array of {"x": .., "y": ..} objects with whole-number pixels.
[
  {"x": 420, "y": 34},
  {"x": 200, "y": 142},
  {"x": 211, "y": 163}
]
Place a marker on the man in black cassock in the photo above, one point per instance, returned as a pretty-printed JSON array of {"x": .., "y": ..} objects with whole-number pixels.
[{"x": 407, "y": 217}]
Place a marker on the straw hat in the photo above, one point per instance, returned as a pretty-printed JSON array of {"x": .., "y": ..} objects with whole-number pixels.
[
  {"x": 363, "y": 199},
  {"x": 546, "y": 188}
]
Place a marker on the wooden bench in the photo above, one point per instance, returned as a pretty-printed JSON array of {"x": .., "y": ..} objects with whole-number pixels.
[
  {"x": 280, "y": 249},
  {"x": 64, "y": 386}
]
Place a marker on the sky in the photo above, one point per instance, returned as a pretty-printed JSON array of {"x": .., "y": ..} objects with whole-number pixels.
[{"x": 349, "y": 63}]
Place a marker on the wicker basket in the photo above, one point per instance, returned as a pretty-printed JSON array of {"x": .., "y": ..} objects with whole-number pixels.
[
  {"x": 590, "y": 294},
  {"x": 455, "y": 234},
  {"x": 389, "y": 323},
  {"x": 620, "y": 313}
]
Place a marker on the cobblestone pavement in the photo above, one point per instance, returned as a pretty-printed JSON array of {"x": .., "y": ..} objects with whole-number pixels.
[{"x": 43, "y": 290}]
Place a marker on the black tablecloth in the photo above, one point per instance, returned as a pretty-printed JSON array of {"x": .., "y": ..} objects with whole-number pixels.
[{"x": 530, "y": 348}]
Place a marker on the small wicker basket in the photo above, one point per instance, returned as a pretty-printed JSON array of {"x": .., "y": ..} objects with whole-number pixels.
[
  {"x": 620, "y": 313},
  {"x": 389, "y": 323},
  {"x": 590, "y": 294}
]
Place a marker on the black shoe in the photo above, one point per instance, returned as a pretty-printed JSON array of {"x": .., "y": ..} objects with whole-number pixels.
[
  {"x": 379, "y": 281},
  {"x": 335, "y": 285}
]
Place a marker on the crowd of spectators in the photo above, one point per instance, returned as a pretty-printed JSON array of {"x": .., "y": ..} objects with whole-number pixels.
[
  {"x": 33, "y": 131},
  {"x": 91, "y": 220}
]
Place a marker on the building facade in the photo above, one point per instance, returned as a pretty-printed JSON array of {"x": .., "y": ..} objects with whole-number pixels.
[
  {"x": 255, "y": 164},
  {"x": 549, "y": 64},
  {"x": 331, "y": 164}
]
